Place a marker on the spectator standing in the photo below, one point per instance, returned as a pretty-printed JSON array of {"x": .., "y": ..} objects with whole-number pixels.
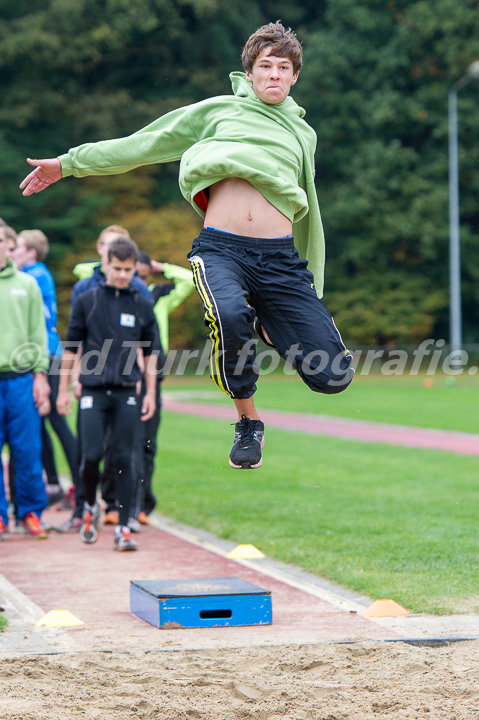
[
  {"x": 24, "y": 388},
  {"x": 91, "y": 274},
  {"x": 31, "y": 250},
  {"x": 114, "y": 318}
]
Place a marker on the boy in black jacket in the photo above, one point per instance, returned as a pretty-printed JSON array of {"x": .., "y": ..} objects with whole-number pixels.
[{"x": 111, "y": 322}]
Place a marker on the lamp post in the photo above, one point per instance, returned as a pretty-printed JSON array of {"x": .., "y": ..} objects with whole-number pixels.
[{"x": 455, "y": 313}]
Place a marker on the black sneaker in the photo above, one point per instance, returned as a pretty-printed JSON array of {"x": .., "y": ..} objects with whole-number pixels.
[{"x": 249, "y": 439}]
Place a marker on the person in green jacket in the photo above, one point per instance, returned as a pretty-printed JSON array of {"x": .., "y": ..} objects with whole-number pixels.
[
  {"x": 24, "y": 389},
  {"x": 247, "y": 167}
]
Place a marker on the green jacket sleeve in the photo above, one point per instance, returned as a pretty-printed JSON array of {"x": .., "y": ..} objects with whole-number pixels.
[
  {"x": 183, "y": 279},
  {"x": 164, "y": 140}
]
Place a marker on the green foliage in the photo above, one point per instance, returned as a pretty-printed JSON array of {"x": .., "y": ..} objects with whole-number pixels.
[
  {"x": 374, "y": 84},
  {"x": 376, "y": 80}
]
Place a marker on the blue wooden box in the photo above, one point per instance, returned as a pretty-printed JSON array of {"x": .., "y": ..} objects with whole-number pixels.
[{"x": 200, "y": 602}]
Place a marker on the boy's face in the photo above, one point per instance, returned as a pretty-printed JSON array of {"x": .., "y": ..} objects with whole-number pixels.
[
  {"x": 102, "y": 246},
  {"x": 119, "y": 272},
  {"x": 144, "y": 271},
  {"x": 11, "y": 248},
  {"x": 22, "y": 255},
  {"x": 271, "y": 77}
]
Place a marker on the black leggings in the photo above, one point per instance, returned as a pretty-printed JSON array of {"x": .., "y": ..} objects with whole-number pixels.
[
  {"x": 67, "y": 439},
  {"x": 117, "y": 408}
]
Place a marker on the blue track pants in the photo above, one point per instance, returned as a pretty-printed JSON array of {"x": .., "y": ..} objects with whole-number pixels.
[{"x": 20, "y": 427}]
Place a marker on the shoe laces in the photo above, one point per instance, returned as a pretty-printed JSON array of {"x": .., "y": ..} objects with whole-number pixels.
[{"x": 246, "y": 431}]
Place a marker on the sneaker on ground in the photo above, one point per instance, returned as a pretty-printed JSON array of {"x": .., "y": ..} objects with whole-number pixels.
[
  {"x": 68, "y": 502},
  {"x": 55, "y": 493},
  {"x": 249, "y": 439},
  {"x": 111, "y": 517},
  {"x": 134, "y": 525},
  {"x": 91, "y": 523},
  {"x": 72, "y": 525},
  {"x": 143, "y": 518},
  {"x": 123, "y": 541},
  {"x": 32, "y": 526},
  {"x": 3, "y": 530}
]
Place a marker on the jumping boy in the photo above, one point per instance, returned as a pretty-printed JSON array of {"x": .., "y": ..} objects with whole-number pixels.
[{"x": 247, "y": 166}]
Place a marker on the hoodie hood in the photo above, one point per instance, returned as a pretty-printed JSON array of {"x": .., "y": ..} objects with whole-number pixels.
[
  {"x": 10, "y": 269},
  {"x": 243, "y": 88}
]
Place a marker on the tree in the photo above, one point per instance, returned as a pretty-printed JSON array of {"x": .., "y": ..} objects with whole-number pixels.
[{"x": 376, "y": 78}]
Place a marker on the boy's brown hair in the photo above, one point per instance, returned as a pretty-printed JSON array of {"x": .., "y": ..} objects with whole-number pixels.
[
  {"x": 122, "y": 248},
  {"x": 36, "y": 240},
  {"x": 281, "y": 42}
]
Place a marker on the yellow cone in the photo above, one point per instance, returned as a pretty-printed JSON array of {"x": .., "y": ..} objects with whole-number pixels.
[
  {"x": 59, "y": 618},
  {"x": 245, "y": 552},
  {"x": 384, "y": 608}
]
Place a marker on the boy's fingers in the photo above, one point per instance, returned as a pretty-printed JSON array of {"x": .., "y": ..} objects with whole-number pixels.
[{"x": 29, "y": 177}]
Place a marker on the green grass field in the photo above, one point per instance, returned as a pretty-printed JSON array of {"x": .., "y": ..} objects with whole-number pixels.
[
  {"x": 385, "y": 521},
  {"x": 400, "y": 400}
]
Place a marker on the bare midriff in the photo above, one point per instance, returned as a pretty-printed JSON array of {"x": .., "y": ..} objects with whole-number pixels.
[{"x": 234, "y": 205}]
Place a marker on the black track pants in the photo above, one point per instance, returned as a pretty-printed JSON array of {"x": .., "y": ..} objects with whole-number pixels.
[
  {"x": 118, "y": 408},
  {"x": 239, "y": 278}
]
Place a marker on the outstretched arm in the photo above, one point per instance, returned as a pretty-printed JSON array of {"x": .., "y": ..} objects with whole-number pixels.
[{"x": 46, "y": 173}]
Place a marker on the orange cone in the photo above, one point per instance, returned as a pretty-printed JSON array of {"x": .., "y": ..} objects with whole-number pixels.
[{"x": 384, "y": 608}]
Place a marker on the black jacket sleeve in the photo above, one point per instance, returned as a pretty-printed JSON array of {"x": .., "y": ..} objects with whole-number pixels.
[{"x": 77, "y": 330}]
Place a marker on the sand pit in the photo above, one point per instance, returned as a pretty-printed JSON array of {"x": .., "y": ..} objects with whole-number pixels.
[
  {"x": 320, "y": 682},
  {"x": 317, "y": 661}
]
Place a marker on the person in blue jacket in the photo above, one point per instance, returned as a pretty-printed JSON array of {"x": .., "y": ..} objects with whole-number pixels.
[{"x": 31, "y": 250}]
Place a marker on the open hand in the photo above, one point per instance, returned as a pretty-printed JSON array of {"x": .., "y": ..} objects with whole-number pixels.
[{"x": 46, "y": 173}]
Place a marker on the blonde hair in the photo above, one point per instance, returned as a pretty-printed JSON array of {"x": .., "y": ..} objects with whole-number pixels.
[
  {"x": 113, "y": 229},
  {"x": 281, "y": 43},
  {"x": 36, "y": 240}
]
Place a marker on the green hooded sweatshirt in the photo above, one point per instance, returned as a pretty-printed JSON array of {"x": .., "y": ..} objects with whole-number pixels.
[
  {"x": 24, "y": 336},
  {"x": 270, "y": 146}
]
